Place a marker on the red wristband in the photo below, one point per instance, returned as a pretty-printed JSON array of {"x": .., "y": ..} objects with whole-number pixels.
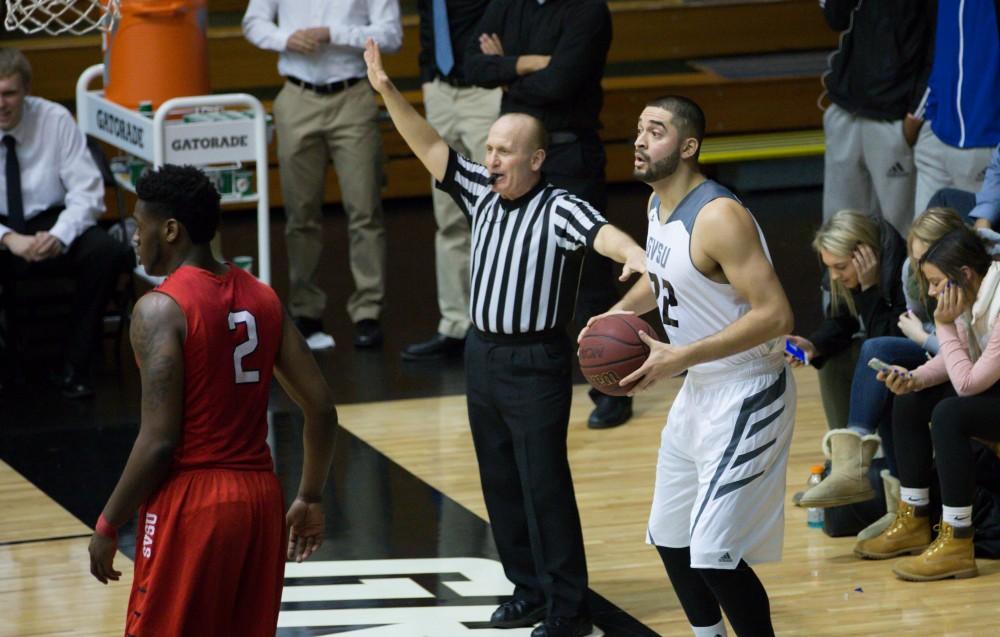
[{"x": 105, "y": 529}]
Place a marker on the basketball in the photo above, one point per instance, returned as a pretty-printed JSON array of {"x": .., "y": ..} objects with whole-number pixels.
[{"x": 611, "y": 350}]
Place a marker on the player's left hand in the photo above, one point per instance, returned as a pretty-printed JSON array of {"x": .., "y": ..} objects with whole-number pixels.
[
  {"x": 305, "y": 528},
  {"x": 634, "y": 263},
  {"x": 664, "y": 360},
  {"x": 866, "y": 265},
  {"x": 950, "y": 304},
  {"x": 102, "y": 554}
]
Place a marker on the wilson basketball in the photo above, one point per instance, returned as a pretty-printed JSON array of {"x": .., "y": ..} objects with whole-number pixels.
[{"x": 611, "y": 350}]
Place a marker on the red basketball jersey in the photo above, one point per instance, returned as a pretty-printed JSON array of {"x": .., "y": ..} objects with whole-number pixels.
[{"x": 234, "y": 327}]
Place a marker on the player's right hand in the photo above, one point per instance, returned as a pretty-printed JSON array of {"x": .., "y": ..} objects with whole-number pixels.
[
  {"x": 102, "y": 554},
  {"x": 305, "y": 528},
  {"x": 597, "y": 317}
]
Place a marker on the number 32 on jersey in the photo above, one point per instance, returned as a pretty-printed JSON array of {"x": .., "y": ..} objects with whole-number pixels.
[{"x": 665, "y": 299}]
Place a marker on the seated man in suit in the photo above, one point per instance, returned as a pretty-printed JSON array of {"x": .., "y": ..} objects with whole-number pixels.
[{"x": 50, "y": 199}]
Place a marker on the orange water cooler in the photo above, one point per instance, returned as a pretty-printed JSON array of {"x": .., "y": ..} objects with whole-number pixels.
[{"x": 157, "y": 51}]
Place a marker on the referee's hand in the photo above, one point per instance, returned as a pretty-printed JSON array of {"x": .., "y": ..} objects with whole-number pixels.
[{"x": 377, "y": 76}]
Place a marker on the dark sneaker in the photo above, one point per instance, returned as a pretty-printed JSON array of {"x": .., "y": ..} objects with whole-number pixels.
[{"x": 367, "y": 333}]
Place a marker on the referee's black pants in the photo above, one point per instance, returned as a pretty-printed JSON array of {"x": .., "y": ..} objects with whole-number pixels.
[
  {"x": 519, "y": 393},
  {"x": 578, "y": 166}
]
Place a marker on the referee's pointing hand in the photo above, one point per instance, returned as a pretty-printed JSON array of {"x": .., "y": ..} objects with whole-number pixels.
[{"x": 377, "y": 76}]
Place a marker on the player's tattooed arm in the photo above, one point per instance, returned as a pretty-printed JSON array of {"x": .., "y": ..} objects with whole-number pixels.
[{"x": 157, "y": 336}]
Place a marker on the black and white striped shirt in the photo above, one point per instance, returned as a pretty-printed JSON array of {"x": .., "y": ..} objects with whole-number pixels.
[{"x": 526, "y": 252}]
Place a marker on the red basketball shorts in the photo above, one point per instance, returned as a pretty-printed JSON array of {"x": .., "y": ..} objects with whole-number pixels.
[{"x": 209, "y": 557}]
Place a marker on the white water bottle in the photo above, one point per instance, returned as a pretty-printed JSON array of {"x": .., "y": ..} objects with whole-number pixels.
[{"x": 814, "y": 515}]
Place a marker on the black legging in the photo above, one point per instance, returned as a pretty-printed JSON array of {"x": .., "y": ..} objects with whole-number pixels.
[
  {"x": 954, "y": 419},
  {"x": 702, "y": 590}
]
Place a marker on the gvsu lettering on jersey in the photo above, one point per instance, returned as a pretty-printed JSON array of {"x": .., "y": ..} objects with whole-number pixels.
[
  {"x": 657, "y": 252},
  {"x": 149, "y": 532}
]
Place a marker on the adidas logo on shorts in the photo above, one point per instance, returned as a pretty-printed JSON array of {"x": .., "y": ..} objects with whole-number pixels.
[
  {"x": 725, "y": 559},
  {"x": 896, "y": 170}
]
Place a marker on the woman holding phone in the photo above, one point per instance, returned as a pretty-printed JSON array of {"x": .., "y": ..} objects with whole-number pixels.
[{"x": 957, "y": 392}]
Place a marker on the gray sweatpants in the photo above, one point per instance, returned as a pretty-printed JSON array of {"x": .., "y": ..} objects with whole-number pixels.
[
  {"x": 868, "y": 166},
  {"x": 942, "y": 166}
]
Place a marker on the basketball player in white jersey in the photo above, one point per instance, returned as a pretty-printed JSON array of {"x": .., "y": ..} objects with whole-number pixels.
[{"x": 720, "y": 475}]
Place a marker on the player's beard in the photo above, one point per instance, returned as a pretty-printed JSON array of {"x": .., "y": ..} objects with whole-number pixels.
[{"x": 658, "y": 170}]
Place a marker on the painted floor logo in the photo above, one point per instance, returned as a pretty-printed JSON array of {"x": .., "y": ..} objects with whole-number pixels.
[{"x": 384, "y": 581}]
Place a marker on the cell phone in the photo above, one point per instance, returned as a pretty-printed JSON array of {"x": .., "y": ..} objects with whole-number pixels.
[
  {"x": 879, "y": 365},
  {"x": 796, "y": 351}
]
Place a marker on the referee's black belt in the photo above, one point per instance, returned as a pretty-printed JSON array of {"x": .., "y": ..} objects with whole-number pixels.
[
  {"x": 527, "y": 338},
  {"x": 324, "y": 89}
]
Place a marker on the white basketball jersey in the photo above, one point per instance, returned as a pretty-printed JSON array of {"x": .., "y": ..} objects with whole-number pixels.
[{"x": 692, "y": 306}]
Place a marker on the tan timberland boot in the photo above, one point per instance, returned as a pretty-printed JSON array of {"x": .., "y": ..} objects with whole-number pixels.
[
  {"x": 891, "y": 486},
  {"x": 850, "y": 456},
  {"x": 952, "y": 554},
  {"x": 909, "y": 533}
]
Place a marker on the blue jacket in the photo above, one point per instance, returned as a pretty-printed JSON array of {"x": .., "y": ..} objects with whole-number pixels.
[{"x": 961, "y": 102}]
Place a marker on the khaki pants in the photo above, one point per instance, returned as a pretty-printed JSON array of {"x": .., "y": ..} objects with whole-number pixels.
[
  {"x": 462, "y": 116},
  {"x": 942, "y": 166},
  {"x": 868, "y": 166},
  {"x": 314, "y": 129}
]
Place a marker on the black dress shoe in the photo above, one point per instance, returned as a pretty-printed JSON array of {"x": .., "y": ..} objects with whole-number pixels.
[
  {"x": 73, "y": 384},
  {"x": 564, "y": 627},
  {"x": 517, "y": 613},
  {"x": 610, "y": 411},
  {"x": 367, "y": 333},
  {"x": 438, "y": 347}
]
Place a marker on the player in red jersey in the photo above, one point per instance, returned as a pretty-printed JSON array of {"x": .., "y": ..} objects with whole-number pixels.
[{"x": 209, "y": 544}]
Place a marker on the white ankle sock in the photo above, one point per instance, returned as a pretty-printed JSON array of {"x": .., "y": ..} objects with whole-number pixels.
[
  {"x": 915, "y": 497},
  {"x": 958, "y": 517},
  {"x": 719, "y": 630}
]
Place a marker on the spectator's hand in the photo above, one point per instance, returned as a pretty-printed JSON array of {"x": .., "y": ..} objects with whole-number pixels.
[
  {"x": 899, "y": 380},
  {"x": 597, "y": 317},
  {"x": 490, "y": 44},
  {"x": 320, "y": 35},
  {"x": 982, "y": 223},
  {"x": 911, "y": 128},
  {"x": 803, "y": 344},
  {"x": 46, "y": 246},
  {"x": 377, "y": 76},
  {"x": 20, "y": 245},
  {"x": 102, "y": 554},
  {"x": 305, "y": 528},
  {"x": 302, "y": 42},
  {"x": 664, "y": 360},
  {"x": 531, "y": 63},
  {"x": 866, "y": 265},
  {"x": 912, "y": 328},
  {"x": 950, "y": 304},
  {"x": 634, "y": 263}
]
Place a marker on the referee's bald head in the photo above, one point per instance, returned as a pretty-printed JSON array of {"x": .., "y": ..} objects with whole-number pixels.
[{"x": 515, "y": 151}]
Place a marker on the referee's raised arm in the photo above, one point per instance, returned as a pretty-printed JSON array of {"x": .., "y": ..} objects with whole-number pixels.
[{"x": 423, "y": 140}]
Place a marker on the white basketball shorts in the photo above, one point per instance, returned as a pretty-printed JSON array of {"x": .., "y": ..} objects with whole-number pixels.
[{"x": 720, "y": 474}]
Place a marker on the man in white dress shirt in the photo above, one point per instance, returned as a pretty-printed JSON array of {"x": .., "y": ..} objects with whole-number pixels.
[
  {"x": 52, "y": 195},
  {"x": 326, "y": 111}
]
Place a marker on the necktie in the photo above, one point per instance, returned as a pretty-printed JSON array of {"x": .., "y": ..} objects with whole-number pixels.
[
  {"x": 15, "y": 203},
  {"x": 443, "y": 55}
]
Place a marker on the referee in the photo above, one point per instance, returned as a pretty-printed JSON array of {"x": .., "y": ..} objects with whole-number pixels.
[{"x": 528, "y": 242}]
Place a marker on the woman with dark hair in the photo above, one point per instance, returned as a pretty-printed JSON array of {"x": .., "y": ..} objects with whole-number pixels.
[{"x": 964, "y": 280}]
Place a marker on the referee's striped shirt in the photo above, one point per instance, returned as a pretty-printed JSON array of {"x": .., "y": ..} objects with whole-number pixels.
[{"x": 526, "y": 252}]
